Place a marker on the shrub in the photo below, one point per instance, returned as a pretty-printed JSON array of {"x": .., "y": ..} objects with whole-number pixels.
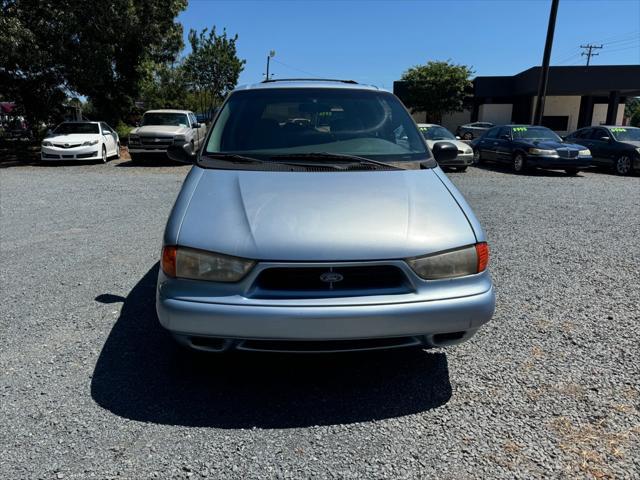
[{"x": 123, "y": 132}]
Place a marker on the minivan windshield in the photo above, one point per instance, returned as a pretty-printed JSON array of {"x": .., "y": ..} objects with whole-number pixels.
[
  {"x": 165, "y": 118},
  {"x": 79, "y": 127},
  {"x": 267, "y": 123}
]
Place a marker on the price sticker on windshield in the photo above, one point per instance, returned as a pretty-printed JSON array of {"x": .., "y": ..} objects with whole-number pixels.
[
  {"x": 423, "y": 129},
  {"x": 617, "y": 129},
  {"x": 519, "y": 129}
]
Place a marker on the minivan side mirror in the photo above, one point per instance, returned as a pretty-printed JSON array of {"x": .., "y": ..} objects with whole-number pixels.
[
  {"x": 181, "y": 153},
  {"x": 443, "y": 151},
  {"x": 196, "y": 125}
]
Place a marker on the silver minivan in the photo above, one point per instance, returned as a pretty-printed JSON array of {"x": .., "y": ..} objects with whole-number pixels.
[{"x": 316, "y": 219}]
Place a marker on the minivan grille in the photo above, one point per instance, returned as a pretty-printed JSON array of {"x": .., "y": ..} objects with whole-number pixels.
[{"x": 332, "y": 279}]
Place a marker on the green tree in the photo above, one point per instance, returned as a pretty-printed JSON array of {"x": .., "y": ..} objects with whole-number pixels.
[
  {"x": 165, "y": 87},
  {"x": 213, "y": 66},
  {"x": 632, "y": 111},
  {"x": 100, "y": 50},
  {"x": 437, "y": 88}
]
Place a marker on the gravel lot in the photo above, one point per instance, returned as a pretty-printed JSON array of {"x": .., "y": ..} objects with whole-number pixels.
[{"x": 91, "y": 387}]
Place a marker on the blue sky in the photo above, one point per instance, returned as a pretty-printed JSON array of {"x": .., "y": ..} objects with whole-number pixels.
[{"x": 374, "y": 41}]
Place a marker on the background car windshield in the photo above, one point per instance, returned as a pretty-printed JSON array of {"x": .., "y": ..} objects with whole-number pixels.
[
  {"x": 311, "y": 120},
  {"x": 436, "y": 133},
  {"x": 162, "y": 118},
  {"x": 68, "y": 128},
  {"x": 535, "y": 133},
  {"x": 626, "y": 134}
]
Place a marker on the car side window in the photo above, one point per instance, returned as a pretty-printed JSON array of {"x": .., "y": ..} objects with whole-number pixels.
[
  {"x": 105, "y": 128},
  {"x": 192, "y": 119},
  {"x": 584, "y": 133},
  {"x": 598, "y": 133},
  {"x": 504, "y": 131},
  {"x": 493, "y": 133}
]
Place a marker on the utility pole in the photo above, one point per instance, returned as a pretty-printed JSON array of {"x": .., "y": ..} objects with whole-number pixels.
[
  {"x": 590, "y": 54},
  {"x": 272, "y": 54},
  {"x": 544, "y": 73}
]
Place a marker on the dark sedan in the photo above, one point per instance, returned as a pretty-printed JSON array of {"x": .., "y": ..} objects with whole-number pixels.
[
  {"x": 524, "y": 146},
  {"x": 613, "y": 147}
]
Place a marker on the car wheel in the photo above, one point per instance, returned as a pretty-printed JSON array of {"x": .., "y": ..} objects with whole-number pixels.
[
  {"x": 118, "y": 151},
  {"x": 623, "y": 165},
  {"x": 519, "y": 163},
  {"x": 104, "y": 154},
  {"x": 468, "y": 136},
  {"x": 571, "y": 171},
  {"x": 477, "y": 157}
]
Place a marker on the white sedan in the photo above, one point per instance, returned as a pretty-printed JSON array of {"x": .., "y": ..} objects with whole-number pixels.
[
  {"x": 436, "y": 133},
  {"x": 81, "y": 141}
]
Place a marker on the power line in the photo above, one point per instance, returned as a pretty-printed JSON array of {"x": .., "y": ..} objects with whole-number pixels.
[
  {"x": 635, "y": 38},
  {"x": 590, "y": 47},
  {"x": 619, "y": 35},
  {"x": 296, "y": 69},
  {"x": 632, "y": 47}
]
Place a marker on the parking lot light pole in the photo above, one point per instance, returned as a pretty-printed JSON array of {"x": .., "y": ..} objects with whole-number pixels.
[
  {"x": 272, "y": 53},
  {"x": 544, "y": 74}
]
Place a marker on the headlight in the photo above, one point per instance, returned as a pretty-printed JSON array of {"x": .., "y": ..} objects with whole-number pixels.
[
  {"x": 133, "y": 138},
  {"x": 584, "y": 153},
  {"x": 46, "y": 143},
  {"x": 456, "y": 263},
  {"x": 194, "y": 264},
  {"x": 179, "y": 138},
  {"x": 541, "y": 151},
  {"x": 89, "y": 142},
  {"x": 638, "y": 149}
]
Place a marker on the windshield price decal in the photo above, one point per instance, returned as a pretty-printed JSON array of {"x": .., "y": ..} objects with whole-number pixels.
[
  {"x": 423, "y": 129},
  {"x": 519, "y": 129},
  {"x": 618, "y": 130}
]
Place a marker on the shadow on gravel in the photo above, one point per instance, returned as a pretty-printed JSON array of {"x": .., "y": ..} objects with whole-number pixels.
[
  {"x": 151, "y": 162},
  {"x": 141, "y": 375},
  {"x": 534, "y": 172}
]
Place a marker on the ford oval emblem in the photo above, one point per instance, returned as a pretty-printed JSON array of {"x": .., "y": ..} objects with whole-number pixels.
[{"x": 331, "y": 277}]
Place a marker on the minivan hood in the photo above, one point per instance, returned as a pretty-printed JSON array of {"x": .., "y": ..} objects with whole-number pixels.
[{"x": 304, "y": 216}]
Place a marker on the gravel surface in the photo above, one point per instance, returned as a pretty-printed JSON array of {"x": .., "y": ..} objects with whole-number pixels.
[{"x": 91, "y": 387}]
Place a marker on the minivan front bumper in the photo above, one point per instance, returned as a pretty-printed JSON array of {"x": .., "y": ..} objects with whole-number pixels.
[{"x": 434, "y": 322}]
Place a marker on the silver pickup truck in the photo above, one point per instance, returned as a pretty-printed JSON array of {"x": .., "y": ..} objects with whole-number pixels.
[{"x": 161, "y": 128}]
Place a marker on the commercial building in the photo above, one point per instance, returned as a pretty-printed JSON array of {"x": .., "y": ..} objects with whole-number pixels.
[{"x": 577, "y": 96}]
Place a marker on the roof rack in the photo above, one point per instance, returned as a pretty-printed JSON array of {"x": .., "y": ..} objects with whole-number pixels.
[{"x": 271, "y": 80}]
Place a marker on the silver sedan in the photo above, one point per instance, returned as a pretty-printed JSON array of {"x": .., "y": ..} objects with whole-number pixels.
[{"x": 337, "y": 233}]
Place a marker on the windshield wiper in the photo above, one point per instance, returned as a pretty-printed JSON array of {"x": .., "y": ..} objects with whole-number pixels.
[
  {"x": 336, "y": 157},
  {"x": 232, "y": 157}
]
